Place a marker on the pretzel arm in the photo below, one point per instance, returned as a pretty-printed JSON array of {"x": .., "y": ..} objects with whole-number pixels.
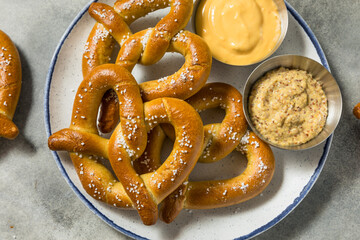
[
  {"x": 111, "y": 20},
  {"x": 8, "y": 129},
  {"x": 258, "y": 174},
  {"x": 98, "y": 49},
  {"x": 131, "y": 10},
  {"x": 99, "y": 182},
  {"x": 132, "y": 50},
  {"x": 222, "y": 138},
  {"x": 186, "y": 150},
  {"x": 79, "y": 142},
  {"x": 222, "y": 193},
  {"x": 141, "y": 198},
  {"x": 10, "y": 85},
  {"x": 158, "y": 43},
  {"x": 149, "y": 161},
  {"x": 356, "y": 111}
]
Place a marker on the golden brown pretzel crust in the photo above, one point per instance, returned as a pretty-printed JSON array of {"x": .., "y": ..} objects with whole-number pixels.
[
  {"x": 150, "y": 48},
  {"x": 356, "y": 111},
  {"x": 222, "y": 193},
  {"x": 10, "y": 86},
  {"x": 188, "y": 80},
  {"x": 128, "y": 141},
  {"x": 259, "y": 172},
  {"x": 112, "y": 21},
  {"x": 220, "y": 139}
]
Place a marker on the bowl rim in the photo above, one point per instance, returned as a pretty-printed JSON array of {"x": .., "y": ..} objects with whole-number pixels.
[
  {"x": 284, "y": 22},
  {"x": 247, "y": 90}
]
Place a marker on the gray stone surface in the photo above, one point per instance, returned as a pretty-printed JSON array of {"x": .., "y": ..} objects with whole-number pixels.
[{"x": 36, "y": 202}]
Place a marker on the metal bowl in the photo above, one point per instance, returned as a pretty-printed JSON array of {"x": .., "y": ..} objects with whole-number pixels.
[
  {"x": 318, "y": 71},
  {"x": 283, "y": 13}
]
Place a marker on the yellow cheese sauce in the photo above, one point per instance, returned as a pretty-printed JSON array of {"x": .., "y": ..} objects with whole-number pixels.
[
  {"x": 288, "y": 107},
  {"x": 239, "y": 32}
]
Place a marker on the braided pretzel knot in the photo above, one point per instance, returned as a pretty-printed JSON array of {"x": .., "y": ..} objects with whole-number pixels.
[
  {"x": 356, "y": 111},
  {"x": 10, "y": 85},
  {"x": 219, "y": 141},
  {"x": 183, "y": 84},
  {"x": 127, "y": 142}
]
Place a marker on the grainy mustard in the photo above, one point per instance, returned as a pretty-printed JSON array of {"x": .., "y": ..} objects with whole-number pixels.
[{"x": 288, "y": 107}]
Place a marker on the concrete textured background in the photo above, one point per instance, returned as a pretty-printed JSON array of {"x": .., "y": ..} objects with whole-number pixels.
[{"x": 36, "y": 202}]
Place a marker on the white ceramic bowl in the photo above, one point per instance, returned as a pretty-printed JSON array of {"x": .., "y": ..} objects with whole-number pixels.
[{"x": 318, "y": 71}]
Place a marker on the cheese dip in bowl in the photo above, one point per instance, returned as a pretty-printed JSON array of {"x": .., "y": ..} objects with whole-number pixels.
[
  {"x": 241, "y": 32},
  {"x": 292, "y": 102}
]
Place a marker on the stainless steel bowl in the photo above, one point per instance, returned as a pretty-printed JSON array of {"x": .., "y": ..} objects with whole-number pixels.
[
  {"x": 330, "y": 87},
  {"x": 283, "y": 13}
]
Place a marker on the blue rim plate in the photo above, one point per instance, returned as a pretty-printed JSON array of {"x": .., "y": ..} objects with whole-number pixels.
[{"x": 255, "y": 232}]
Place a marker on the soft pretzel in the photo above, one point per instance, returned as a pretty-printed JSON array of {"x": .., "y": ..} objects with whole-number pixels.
[
  {"x": 223, "y": 193},
  {"x": 215, "y": 193},
  {"x": 113, "y": 23},
  {"x": 128, "y": 141},
  {"x": 152, "y": 44},
  {"x": 10, "y": 86},
  {"x": 184, "y": 83},
  {"x": 220, "y": 139},
  {"x": 356, "y": 111}
]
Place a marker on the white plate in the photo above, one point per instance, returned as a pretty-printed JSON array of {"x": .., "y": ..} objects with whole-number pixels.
[{"x": 296, "y": 172}]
